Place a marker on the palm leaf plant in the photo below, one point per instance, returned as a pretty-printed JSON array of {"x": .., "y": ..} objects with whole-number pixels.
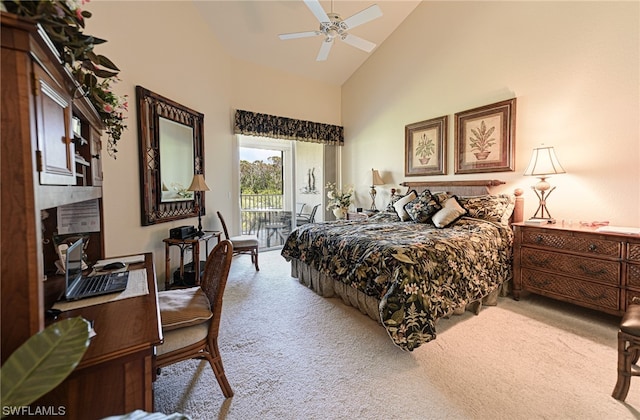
[
  {"x": 481, "y": 139},
  {"x": 43, "y": 361}
]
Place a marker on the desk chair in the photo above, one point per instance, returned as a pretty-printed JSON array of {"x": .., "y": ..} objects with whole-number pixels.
[
  {"x": 191, "y": 317},
  {"x": 307, "y": 218},
  {"x": 242, "y": 244},
  {"x": 628, "y": 349}
]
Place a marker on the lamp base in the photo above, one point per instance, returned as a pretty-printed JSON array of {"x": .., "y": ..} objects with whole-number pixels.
[
  {"x": 541, "y": 212},
  {"x": 373, "y": 193}
]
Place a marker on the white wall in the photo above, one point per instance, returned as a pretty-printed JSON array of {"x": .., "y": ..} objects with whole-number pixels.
[
  {"x": 165, "y": 47},
  {"x": 573, "y": 66}
]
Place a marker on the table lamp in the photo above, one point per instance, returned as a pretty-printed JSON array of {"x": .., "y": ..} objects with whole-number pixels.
[
  {"x": 198, "y": 185},
  {"x": 543, "y": 163},
  {"x": 376, "y": 180}
]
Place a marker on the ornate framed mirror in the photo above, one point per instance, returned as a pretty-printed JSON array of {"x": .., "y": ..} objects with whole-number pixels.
[{"x": 171, "y": 148}]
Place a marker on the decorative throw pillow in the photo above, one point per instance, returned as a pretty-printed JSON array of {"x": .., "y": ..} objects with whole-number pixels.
[
  {"x": 399, "y": 205},
  {"x": 394, "y": 199},
  {"x": 183, "y": 308},
  {"x": 449, "y": 214},
  {"x": 494, "y": 208},
  {"x": 441, "y": 196},
  {"x": 423, "y": 207}
]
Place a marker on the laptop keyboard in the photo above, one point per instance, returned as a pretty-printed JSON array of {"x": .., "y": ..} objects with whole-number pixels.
[{"x": 97, "y": 283}]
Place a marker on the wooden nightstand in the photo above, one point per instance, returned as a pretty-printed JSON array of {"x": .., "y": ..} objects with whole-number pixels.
[{"x": 578, "y": 265}]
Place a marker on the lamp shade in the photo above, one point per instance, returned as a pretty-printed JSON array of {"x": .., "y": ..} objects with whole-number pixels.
[
  {"x": 377, "y": 179},
  {"x": 198, "y": 183},
  {"x": 544, "y": 162}
]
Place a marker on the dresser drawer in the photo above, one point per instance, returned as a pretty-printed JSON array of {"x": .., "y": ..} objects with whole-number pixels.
[
  {"x": 633, "y": 275},
  {"x": 584, "y": 293},
  {"x": 590, "y": 268},
  {"x": 633, "y": 252},
  {"x": 566, "y": 241}
]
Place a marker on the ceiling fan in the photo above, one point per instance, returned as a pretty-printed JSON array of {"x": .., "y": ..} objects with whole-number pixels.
[{"x": 333, "y": 27}]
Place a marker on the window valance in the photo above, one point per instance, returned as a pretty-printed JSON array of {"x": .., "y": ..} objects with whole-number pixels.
[{"x": 255, "y": 124}]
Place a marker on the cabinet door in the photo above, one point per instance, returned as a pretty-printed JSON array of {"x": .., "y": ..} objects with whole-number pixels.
[
  {"x": 96, "y": 156},
  {"x": 56, "y": 161}
]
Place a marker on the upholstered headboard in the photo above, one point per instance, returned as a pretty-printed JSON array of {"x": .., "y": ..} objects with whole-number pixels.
[{"x": 469, "y": 188}]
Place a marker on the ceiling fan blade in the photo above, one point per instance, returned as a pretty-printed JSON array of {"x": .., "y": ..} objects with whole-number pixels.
[
  {"x": 295, "y": 35},
  {"x": 317, "y": 10},
  {"x": 324, "y": 50},
  {"x": 364, "y": 16},
  {"x": 358, "y": 42}
]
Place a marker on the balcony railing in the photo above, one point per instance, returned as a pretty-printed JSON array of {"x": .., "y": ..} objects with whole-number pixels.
[{"x": 264, "y": 215}]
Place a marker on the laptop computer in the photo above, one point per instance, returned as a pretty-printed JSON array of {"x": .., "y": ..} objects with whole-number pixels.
[{"x": 80, "y": 287}]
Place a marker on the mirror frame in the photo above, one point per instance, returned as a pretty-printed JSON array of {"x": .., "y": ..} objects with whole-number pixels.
[{"x": 151, "y": 107}]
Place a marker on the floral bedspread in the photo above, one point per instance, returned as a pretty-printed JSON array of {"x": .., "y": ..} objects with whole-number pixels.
[{"x": 419, "y": 273}]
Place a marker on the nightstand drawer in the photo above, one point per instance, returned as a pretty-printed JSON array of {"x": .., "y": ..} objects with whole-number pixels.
[
  {"x": 590, "y": 268},
  {"x": 633, "y": 275},
  {"x": 633, "y": 252},
  {"x": 568, "y": 242},
  {"x": 582, "y": 292}
]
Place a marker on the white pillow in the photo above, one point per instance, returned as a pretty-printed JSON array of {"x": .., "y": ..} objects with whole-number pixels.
[
  {"x": 451, "y": 211},
  {"x": 399, "y": 205}
]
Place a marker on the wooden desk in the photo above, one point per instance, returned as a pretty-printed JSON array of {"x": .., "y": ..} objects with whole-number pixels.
[
  {"x": 183, "y": 244},
  {"x": 116, "y": 373}
]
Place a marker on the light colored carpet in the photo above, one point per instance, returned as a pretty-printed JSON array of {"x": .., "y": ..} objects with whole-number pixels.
[{"x": 290, "y": 354}]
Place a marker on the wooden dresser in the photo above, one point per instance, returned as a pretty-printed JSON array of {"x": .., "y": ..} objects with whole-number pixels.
[
  {"x": 45, "y": 164},
  {"x": 578, "y": 265}
]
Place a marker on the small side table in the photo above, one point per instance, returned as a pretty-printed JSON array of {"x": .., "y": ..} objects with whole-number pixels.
[{"x": 194, "y": 244}]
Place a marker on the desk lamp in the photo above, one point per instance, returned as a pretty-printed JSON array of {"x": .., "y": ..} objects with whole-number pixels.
[
  {"x": 376, "y": 180},
  {"x": 198, "y": 185},
  {"x": 543, "y": 163}
]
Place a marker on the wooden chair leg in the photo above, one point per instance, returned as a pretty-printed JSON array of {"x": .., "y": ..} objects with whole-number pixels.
[
  {"x": 218, "y": 370},
  {"x": 254, "y": 259},
  {"x": 624, "y": 370}
]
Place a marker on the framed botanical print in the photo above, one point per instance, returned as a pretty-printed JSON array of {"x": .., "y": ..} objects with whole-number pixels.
[
  {"x": 425, "y": 147},
  {"x": 485, "y": 138}
]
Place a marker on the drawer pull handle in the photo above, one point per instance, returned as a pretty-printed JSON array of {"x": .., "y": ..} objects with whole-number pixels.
[
  {"x": 539, "y": 239},
  {"x": 593, "y": 247},
  {"x": 592, "y": 272},
  {"x": 594, "y": 298}
]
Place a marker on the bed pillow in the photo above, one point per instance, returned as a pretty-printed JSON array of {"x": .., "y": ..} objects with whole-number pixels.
[
  {"x": 394, "y": 199},
  {"x": 494, "y": 208},
  {"x": 441, "y": 196},
  {"x": 398, "y": 206},
  {"x": 450, "y": 213},
  {"x": 423, "y": 207}
]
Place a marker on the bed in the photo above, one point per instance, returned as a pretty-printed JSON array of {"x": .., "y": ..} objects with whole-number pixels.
[{"x": 407, "y": 274}]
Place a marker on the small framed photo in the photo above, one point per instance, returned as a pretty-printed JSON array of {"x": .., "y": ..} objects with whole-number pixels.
[
  {"x": 425, "y": 147},
  {"x": 485, "y": 138}
]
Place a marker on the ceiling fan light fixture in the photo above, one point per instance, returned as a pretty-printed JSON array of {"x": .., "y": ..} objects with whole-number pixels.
[{"x": 333, "y": 26}]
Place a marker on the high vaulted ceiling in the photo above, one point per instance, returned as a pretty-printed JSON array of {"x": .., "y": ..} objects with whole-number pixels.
[{"x": 249, "y": 31}]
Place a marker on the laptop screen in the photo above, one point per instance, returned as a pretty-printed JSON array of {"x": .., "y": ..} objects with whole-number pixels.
[{"x": 73, "y": 264}]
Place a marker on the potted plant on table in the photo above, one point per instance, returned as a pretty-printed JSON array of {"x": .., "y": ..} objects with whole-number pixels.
[{"x": 339, "y": 200}]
